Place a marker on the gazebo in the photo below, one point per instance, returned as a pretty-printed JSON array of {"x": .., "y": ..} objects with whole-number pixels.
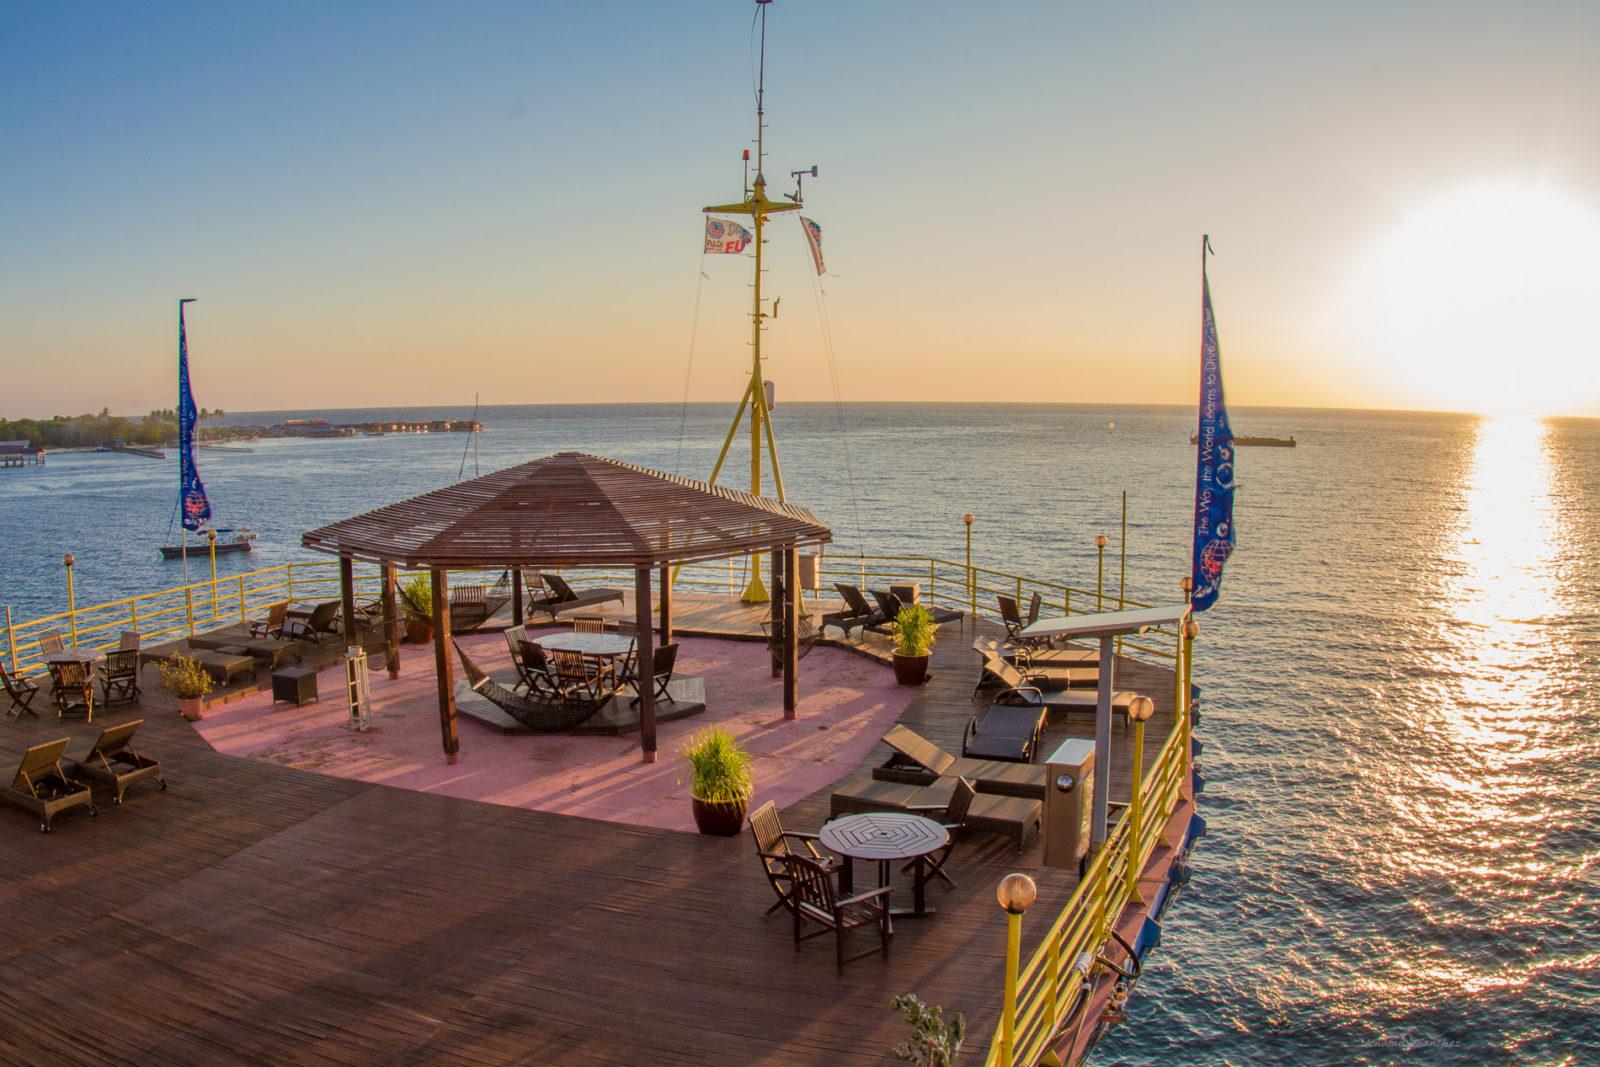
[{"x": 572, "y": 510}]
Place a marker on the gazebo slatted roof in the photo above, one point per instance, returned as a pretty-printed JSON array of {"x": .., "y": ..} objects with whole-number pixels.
[{"x": 570, "y": 510}]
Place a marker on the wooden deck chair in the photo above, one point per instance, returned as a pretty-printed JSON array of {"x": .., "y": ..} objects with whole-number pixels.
[
  {"x": 970, "y": 811},
  {"x": 322, "y": 622},
  {"x": 272, "y": 625},
  {"x": 119, "y": 677},
  {"x": 773, "y": 849},
  {"x": 817, "y": 902},
  {"x": 20, "y": 690},
  {"x": 856, "y": 613},
  {"x": 72, "y": 686},
  {"x": 113, "y": 762},
  {"x": 42, "y": 788},
  {"x": 129, "y": 640},
  {"x": 588, "y": 624},
  {"x": 666, "y": 658}
]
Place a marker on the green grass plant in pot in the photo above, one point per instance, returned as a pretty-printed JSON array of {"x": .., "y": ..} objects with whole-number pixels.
[
  {"x": 914, "y": 633},
  {"x": 720, "y": 784},
  {"x": 185, "y": 679},
  {"x": 416, "y": 594}
]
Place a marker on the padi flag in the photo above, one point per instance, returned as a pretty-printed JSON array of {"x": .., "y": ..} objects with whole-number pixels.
[
  {"x": 1214, "y": 470},
  {"x": 192, "y": 502},
  {"x": 724, "y": 236},
  {"x": 814, "y": 239}
]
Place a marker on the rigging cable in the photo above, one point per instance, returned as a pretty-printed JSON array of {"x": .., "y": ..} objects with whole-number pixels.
[
  {"x": 838, "y": 394},
  {"x": 688, "y": 373},
  {"x": 470, "y": 446}
]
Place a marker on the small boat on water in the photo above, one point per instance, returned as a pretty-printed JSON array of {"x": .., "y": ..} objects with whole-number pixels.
[
  {"x": 237, "y": 539},
  {"x": 1264, "y": 442}
]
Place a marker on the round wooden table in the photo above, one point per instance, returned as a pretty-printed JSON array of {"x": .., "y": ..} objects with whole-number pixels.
[
  {"x": 608, "y": 646},
  {"x": 886, "y": 837}
]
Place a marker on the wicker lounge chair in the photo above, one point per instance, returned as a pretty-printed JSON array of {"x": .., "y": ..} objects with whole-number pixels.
[
  {"x": 20, "y": 690},
  {"x": 564, "y": 598},
  {"x": 272, "y": 625},
  {"x": 773, "y": 848},
  {"x": 918, "y": 761},
  {"x": 875, "y": 794},
  {"x": 225, "y": 666},
  {"x": 972, "y": 812},
  {"x": 119, "y": 677},
  {"x": 889, "y": 605},
  {"x": 817, "y": 902},
  {"x": 72, "y": 686},
  {"x": 553, "y": 713},
  {"x": 856, "y": 612},
  {"x": 996, "y": 671},
  {"x": 1007, "y": 732},
  {"x": 320, "y": 622},
  {"x": 114, "y": 763},
  {"x": 42, "y": 788}
]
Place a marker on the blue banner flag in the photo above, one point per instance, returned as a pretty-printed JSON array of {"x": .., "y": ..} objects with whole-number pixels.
[
  {"x": 1214, "y": 470},
  {"x": 192, "y": 503}
]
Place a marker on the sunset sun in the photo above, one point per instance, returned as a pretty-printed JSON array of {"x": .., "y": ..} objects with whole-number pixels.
[{"x": 1481, "y": 299}]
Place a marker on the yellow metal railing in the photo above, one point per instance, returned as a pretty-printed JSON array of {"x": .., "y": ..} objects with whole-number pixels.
[{"x": 1048, "y": 985}]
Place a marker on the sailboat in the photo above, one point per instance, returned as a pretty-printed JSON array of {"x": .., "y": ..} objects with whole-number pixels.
[{"x": 194, "y": 509}]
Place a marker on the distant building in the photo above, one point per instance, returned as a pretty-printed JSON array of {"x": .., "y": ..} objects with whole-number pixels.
[{"x": 20, "y": 454}]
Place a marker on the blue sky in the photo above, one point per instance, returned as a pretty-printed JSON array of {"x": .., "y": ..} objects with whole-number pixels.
[{"x": 397, "y": 203}]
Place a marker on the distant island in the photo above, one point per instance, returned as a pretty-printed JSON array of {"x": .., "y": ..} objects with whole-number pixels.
[{"x": 106, "y": 430}]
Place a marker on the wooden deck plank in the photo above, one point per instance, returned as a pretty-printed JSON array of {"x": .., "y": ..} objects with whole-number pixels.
[{"x": 256, "y": 912}]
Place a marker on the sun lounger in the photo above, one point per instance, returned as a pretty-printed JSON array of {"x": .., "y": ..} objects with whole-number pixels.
[
  {"x": 112, "y": 762},
  {"x": 42, "y": 788},
  {"x": 996, "y": 671},
  {"x": 313, "y": 625},
  {"x": 225, "y": 666},
  {"x": 1048, "y": 658},
  {"x": 856, "y": 611},
  {"x": 873, "y": 794},
  {"x": 564, "y": 598},
  {"x": 1005, "y": 732},
  {"x": 918, "y": 761},
  {"x": 972, "y": 812},
  {"x": 889, "y": 606}
]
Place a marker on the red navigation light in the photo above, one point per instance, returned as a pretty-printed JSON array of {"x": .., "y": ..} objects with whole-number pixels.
[{"x": 747, "y": 155}]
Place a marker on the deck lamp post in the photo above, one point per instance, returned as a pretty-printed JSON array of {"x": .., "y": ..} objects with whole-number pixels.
[
  {"x": 1139, "y": 711},
  {"x": 1015, "y": 893},
  {"x": 972, "y": 580},
  {"x": 72, "y": 610},
  {"x": 1100, "y": 572},
  {"x": 211, "y": 544}
]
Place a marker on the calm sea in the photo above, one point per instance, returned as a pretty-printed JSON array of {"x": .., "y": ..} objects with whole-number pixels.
[{"x": 1402, "y": 698}]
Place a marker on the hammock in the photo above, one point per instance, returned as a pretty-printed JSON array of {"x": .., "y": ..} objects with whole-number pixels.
[{"x": 538, "y": 713}]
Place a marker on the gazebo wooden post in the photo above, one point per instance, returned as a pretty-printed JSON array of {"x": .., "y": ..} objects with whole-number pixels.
[
  {"x": 791, "y": 630},
  {"x": 516, "y": 598},
  {"x": 442, "y": 666},
  {"x": 644, "y": 658},
  {"x": 666, "y": 605},
  {"x": 777, "y": 612},
  {"x": 347, "y": 600},
  {"x": 391, "y": 622}
]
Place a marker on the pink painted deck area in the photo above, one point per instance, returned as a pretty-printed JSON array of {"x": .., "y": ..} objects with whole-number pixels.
[{"x": 847, "y": 702}]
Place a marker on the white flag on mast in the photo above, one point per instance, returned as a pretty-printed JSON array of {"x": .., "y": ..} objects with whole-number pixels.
[{"x": 723, "y": 236}]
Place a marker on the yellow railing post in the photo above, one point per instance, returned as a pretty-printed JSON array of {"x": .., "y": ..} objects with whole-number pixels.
[
  {"x": 972, "y": 579},
  {"x": 11, "y": 641},
  {"x": 933, "y": 578},
  {"x": 1139, "y": 711},
  {"x": 1099, "y": 572},
  {"x": 1015, "y": 893},
  {"x": 290, "y": 590},
  {"x": 241, "y": 598},
  {"x": 211, "y": 540},
  {"x": 188, "y": 606},
  {"x": 133, "y": 613},
  {"x": 72, "y": 606}
]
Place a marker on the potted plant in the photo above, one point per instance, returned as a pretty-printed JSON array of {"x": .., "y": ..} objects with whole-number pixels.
[
  {"x": 417, "y": 596},
  {"x": 719, "y": 781},
  {"x": 914, "y": 635},
  {"x": 185, "y": 679}
]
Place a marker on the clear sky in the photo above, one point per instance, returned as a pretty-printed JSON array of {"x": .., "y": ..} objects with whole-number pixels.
[{"x": 394, "y": 203}]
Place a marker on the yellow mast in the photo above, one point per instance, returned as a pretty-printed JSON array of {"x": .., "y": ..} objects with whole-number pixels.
[{"x": 758, "y": 207}]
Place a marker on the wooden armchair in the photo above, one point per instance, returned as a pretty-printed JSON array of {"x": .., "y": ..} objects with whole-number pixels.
[
  {"x": 772, "y": 846},
  {"x": 582, "y": 678},
  {"x": 119, "y": 676},
  {"x": 20, "y": 690},
  {"x": 817, "y": 902},
  {"x": 72, "y": 687}
]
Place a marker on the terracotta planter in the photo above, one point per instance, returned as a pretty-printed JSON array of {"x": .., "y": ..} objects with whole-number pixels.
[
  {"x": 419, "y": 632},
  {"x": 911, "y": 670},
  {"x": 719, "y": 820},
  {"x": 192, "y": 708}
]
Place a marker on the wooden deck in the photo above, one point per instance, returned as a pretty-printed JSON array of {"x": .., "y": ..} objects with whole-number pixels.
[{"x": 258, "y": 913}]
